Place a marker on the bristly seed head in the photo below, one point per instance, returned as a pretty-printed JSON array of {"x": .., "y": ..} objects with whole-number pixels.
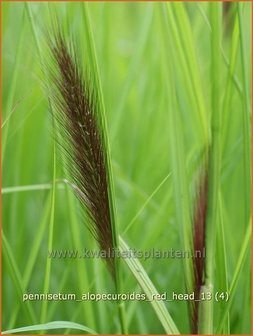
[{"x": 81, "y": 137}]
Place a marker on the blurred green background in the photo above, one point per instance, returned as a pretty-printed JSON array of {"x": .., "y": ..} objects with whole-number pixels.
[{"x": 132, "y": 59}]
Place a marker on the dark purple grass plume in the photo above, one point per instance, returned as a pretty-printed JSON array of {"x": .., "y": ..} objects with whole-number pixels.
[
  {"x": 76, "y": 115},
  {"x": 199, "y": 245}
]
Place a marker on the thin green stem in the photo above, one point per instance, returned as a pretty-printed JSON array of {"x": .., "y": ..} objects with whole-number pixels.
[
  {"x": 31, "y": 261},
  {"x": 50, "y": 239},
  {"x": 228, "y": 90},
  {"x": 222, "y": 275},
  {"x": 235, "y": 279},
  {"x": 10, "y": 101},
  {"x": 52, "y": 215},
  {"x": 145, "y": 204},
  {"x": 16, "y": 276},
  {"x": 177, "y": 156},
  {"x": 206, "y": 325},
  {"x": 246, "y": 119}
]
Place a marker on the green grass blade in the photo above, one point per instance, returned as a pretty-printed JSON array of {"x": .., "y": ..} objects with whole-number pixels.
[
  {"x": 229, "y": 85},
  {"x": 11, "y": 95},
  {"x": 177, "y": 158},
  {"x": 53, "y": 191},
  {"x": 52, "y": 326},
  {"x": 95, "y": 71},
  {"x": 206, "y": 326},
  {"x": 133, "y": 68},
  {"x": 146, "y": 203},
  {"x": 149, "y": 289},
  {"x": 187, "y": 42},
  {"x": 36, "y": 187},
  {"x": 17, "y": 279},
  {"x": 246, "y": 119},
  {"x": 33, "y": 25},
  {"x": 221, "y": 264},
  {"x": 35, "y": 246},
  {"x": 226, "y": 61},
  {"x": 181, "y": 42},
  {"x": 82, "y": 273},
  {"x": 236, "y": 276},
  {"x": 50, "y": 239}
]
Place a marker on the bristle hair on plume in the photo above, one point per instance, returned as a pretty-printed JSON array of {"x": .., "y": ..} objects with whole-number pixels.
[{"x": 77, "y": 118}]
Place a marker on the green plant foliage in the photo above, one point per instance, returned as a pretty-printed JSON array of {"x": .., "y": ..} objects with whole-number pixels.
[{"x": 173, "y": 88}]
